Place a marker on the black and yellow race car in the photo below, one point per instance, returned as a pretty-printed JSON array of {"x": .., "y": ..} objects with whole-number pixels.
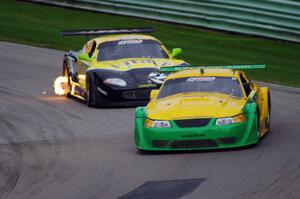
[{"x": 118, "y": 68}]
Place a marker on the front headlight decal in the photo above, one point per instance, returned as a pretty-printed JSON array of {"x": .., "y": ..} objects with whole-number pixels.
[
  {"x": 157, "y": 124},
  {"x": 230, "y": 120},
  {"x": 115, "y": 81}
]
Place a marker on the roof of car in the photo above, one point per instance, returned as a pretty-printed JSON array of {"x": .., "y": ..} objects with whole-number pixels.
[
  {"x": 205, "y": 72},
  {"x": 122, "y": 37}
]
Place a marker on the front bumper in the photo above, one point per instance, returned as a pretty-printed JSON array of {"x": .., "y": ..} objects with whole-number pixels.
[
  {"x": 196, "y": 138},
  {"x": 128, "y": 96},
  {"x": 136, "y": 92}
]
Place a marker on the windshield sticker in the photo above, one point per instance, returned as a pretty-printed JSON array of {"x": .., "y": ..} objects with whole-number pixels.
[
  {"x": 233, "y": 78},
  {"x": 200, "y": 79},
  {"x": 123, "y": 42}
]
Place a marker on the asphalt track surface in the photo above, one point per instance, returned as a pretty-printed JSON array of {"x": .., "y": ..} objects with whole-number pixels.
[{"x": 53, "y": 147}]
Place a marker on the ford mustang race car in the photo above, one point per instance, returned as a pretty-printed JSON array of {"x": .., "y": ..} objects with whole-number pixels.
[
  {"x": 118, "y": 68},
  {"x": 204, "y": 108}
]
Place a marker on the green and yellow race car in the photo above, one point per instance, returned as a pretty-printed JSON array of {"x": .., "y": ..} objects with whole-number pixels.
[
  {"x": 118, "y": 68},
  {"x": 204, "y": 108}
]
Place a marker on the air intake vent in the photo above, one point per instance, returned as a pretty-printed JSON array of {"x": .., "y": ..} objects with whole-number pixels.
[
  {"x": 189, "y": 144},
  {"x": 192, "y": 122}
]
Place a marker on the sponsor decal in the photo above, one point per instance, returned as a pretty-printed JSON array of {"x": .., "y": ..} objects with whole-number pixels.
[
  {"x": 193, "y": 135},
  {"x": 200, "y": 79},
  {"x": 156, "y": 77},
  {"x": 147, "y": 85}
]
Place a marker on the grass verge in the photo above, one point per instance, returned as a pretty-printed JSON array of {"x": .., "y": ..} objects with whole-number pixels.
[{"x": 40, "y": 25}]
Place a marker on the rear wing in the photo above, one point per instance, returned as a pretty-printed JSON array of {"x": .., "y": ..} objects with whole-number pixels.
[
  {"x": 169, "y": 69},
  {"x": 105, "y": 31}
]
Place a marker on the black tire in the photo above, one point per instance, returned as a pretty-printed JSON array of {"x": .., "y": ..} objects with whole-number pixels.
[
  {"x": 258, "y": 124},
  {"x": 67, "y": 75},
  {"x": 89, "y": 90},
  {"x": 93, "y": 97},
  {"x": 269, "y": 112}
]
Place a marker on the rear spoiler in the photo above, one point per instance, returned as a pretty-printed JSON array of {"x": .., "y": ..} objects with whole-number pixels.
[
  {"x": 233, "y": 67},
  {"x": 105, "y": 31}
]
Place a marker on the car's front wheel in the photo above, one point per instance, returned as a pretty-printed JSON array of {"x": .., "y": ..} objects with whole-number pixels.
[
  {"x": 93, "y": 97},
  {"x": 89, "y": 90}
]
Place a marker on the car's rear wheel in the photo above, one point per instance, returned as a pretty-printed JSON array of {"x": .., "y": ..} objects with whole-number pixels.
[
  {"x": 66, "y": 75},
  {"x": 258, "y": 125},
  {"x": 267, "y": 124},
  {"x": 269, "y": 112}
]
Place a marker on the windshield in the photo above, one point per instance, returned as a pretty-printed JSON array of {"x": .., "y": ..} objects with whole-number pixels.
[
  {"x": 226, "y": 85},
  {"x": 130, "y": 49}
]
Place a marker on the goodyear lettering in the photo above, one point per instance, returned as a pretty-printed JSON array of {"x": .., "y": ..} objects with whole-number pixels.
[
  {"x": 193, "y": 135},
  {"x": 147, "y": 85}
]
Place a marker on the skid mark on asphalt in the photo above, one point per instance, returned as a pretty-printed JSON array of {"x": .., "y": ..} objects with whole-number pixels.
[
  {"x": 166, "y": 189},
  {"x": 10, "y": 166}
]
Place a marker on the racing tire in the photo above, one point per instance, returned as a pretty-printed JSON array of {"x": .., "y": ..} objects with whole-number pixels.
[
  {"x": 93, "y": 98},
  {"x": 258, "y": 125},
  {"x": 269, "y": 112},
  {"x": 66, "y": 74},
  {"x": 89, "y": 90}
]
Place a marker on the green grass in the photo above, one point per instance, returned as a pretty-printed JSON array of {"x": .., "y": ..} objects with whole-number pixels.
[{"x": 40, "y": 25}]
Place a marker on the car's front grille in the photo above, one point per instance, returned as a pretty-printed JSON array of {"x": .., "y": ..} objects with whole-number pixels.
[
  {"x": 137, "y": 94},
  {"x": 192, "y": 122},
  {"x": 189, "y": 144}
]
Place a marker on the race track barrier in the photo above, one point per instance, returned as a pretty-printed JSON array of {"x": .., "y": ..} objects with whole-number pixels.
[{"x": 278, "y": 19}]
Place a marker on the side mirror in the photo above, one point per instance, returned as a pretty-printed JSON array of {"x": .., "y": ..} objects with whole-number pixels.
[
  {"x": 176, "y": 51},
  {"x": 153, "y": 94},
  {"x": 252, "y": 95},
  {"x": 84, "y": 57}
]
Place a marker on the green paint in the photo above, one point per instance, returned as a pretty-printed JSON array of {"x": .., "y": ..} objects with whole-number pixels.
[
  {"x": 84, "y": 57},
  {"x": 245, "y": 133}
]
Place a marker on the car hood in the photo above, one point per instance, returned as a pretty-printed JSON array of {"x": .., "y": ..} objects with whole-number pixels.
[
  {"x": 134, "y": 63},
  {"x": 192, "y": 105}
]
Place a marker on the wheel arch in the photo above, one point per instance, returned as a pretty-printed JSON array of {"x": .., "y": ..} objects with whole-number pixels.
[{"x": 264, "y": 106}]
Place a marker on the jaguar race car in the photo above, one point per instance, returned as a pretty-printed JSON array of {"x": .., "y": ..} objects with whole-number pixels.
[
  {"x": 118, "y": 68},
  {"x": 204, "y": 108}
]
